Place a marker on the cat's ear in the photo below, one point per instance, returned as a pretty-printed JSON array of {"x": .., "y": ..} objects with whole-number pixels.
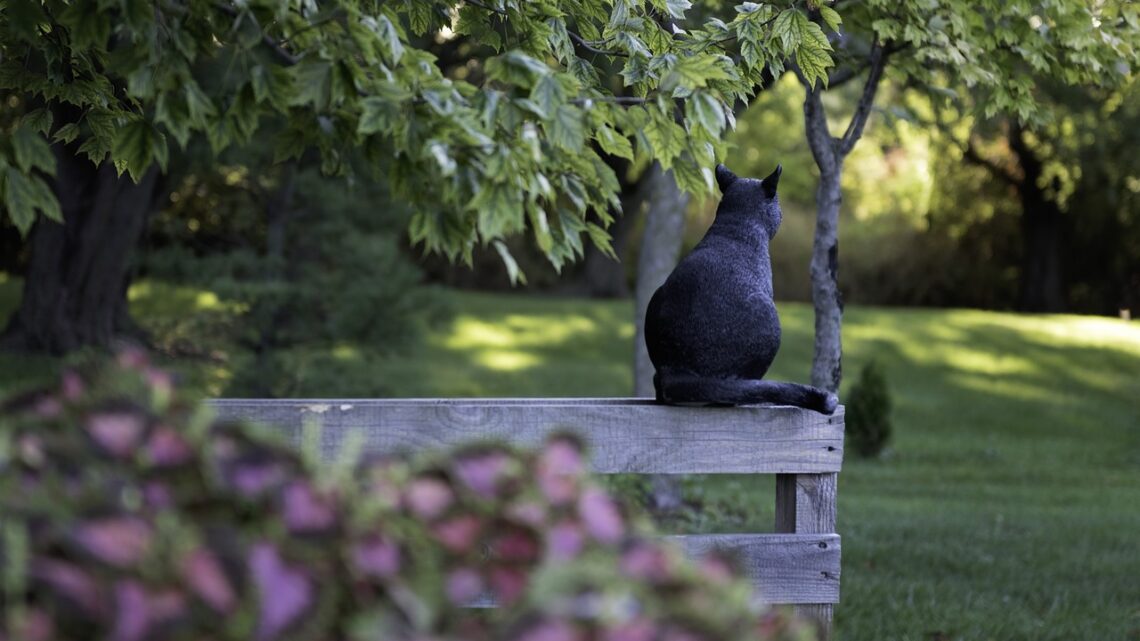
[
  {"x": 724, "y": 177},
  {"x": 772, "y": 181}
]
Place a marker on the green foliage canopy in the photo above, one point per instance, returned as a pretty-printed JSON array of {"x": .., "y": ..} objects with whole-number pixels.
[
  {"x": 997, "y": 50},
  {"x": 493, "y": 116}
]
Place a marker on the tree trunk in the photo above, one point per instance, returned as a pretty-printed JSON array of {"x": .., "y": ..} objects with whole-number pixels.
[
  {"x": 1041, "y": 286},
  {"x": 827, "y": 365},
  {"x": 829, "y": 152},
  {"x": 75, "y": 291},
  {"x": 602, "y": 276},
  {"x": 664, "y": 205}
]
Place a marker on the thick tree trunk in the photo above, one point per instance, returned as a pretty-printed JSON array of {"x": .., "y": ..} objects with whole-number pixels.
[
  {"x": 76, "y": 283},
  {"x": 664, "y": 205},
  {"x": 277, "y": 209},
  {"x": 1041, "y": 285},
  {"x": 602, "y": 276}
]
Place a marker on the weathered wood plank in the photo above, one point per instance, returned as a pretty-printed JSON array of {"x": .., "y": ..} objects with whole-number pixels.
[
  {"x": 625, "y": 435},
  {"x": 785, "y": 568},
  {"x": 806, "y": 504}
]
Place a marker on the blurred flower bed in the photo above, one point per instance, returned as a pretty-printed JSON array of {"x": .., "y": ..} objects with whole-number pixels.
[{"x": 129, "y": 514}]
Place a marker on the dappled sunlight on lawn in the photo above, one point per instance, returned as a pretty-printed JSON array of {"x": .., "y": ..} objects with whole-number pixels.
[
  {"x": 518, "y": 331},
  {"x": 552, "y": 337},
  {"x": 507, "y": 360}
]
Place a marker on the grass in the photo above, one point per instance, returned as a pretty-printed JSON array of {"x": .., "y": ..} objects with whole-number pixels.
[{"x": 1007, "y": 508}]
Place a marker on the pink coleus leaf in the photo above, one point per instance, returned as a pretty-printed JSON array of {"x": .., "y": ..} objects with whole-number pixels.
[
  {"x": 70, "y": 582},
  {"x": 508, "y": 584},
  {"x": 157, "y": 495},
  {"x": 138, "y": 612},
  {"x": 482, "y": 471},
  {"x": 284, "y": 592},
  {"x": 118, "y": 541},
  {"x": 254, "y": 478},
  {"x": 458, "y": 534},
  {"x": 428, "y": 497},
  {"x": 514, "y": 544},
  {"x": 532, "y": 513},
  {"x": 463, "y": 585},
  {"x": 564, "y": 541},
  {"x": 202, "y": 571},
  {"x": 117, "y": 433},
  {"x": 132, "y": 358},
  {"x": 168, "y": 448},
  {"x": 716, "y": 568},
  {"x": 550, "y": 630},
  {"x": 72, "y": 385},
  {"x": 558, "y": 470},
  {"x": 600, "y": 515},
  {"x": 646, "y": 562},
  {"x": 305, "y": 510},
  {"x": 376, "y": 556}
]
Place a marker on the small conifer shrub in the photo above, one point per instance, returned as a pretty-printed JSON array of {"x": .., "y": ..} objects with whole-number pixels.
[{"x": 869, "y": 412}]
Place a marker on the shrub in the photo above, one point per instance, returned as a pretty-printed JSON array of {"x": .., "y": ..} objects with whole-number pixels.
[
  {"x": 130, "y": 515},
  {"x": 868, "y": 412}
]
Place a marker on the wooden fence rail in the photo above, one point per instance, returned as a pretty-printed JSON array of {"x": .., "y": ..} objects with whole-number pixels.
[{"x": 799, "y": 564}]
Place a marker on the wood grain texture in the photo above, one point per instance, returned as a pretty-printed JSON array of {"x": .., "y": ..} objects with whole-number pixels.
[
  {"x": 624, "y": 435},
  {"x": 785, "y": 568},
  {"x": 806, "y": 504}
]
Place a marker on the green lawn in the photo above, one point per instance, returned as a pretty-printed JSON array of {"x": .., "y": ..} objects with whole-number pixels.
[{"x": 1007, "y": 508}]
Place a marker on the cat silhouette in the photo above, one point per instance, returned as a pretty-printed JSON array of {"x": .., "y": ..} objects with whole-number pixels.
[{"x": 712, "y": 329}]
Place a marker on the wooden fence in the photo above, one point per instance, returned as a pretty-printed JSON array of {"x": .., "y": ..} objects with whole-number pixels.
[{"x": 799, "y": 564}]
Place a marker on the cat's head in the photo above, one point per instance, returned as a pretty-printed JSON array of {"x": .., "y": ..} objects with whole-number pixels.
[{"x": 750, "y": 197}]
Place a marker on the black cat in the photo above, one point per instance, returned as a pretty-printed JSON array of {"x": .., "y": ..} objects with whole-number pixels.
[{"x": 712, "y": 329}]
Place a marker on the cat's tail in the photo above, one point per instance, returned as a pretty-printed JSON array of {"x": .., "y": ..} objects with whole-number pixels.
[{"x": 677, "y": 388}]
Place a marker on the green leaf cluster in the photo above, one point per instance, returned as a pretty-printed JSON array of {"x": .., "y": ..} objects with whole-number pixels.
[
  {"x": 1000, "y": 49},
  {"x": 492, "y": 118}
]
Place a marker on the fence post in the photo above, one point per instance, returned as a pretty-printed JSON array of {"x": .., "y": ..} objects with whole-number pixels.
[{"x": 805, "y": 504}]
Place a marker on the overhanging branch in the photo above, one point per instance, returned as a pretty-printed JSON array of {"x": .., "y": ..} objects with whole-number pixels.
[
  {"x": 275, "y": 47},
  {"x": 878, "y": 62}
]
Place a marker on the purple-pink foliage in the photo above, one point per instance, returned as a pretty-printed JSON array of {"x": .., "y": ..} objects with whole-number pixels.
[{"x": 130, "y": 516}]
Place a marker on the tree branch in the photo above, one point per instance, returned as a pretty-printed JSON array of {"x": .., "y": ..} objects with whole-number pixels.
[
  {"x": 620, "y": 100},
  {"x": 275, "y": 47},
  {"x": 585, "y": 44},
  {"x": 878, "y": 61},
  {"x": 971, "y": 154},
  {"x": 843, "y": 75},
  {"x": 824, "y": 147}
]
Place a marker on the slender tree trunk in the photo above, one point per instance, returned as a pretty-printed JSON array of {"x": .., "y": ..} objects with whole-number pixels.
[
  {"x": 77, "y": 278},
  {"x": 827, "y": 365},
  {"x": 1041, "y": 287},
  {"x": 829, "y": 153},
  {"x": 664, "y": 205}
]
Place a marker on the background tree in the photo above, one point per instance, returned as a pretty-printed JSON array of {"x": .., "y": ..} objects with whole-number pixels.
[
  {"x": 507, "y": 142},
  {"x": 992, "y": 48}
]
